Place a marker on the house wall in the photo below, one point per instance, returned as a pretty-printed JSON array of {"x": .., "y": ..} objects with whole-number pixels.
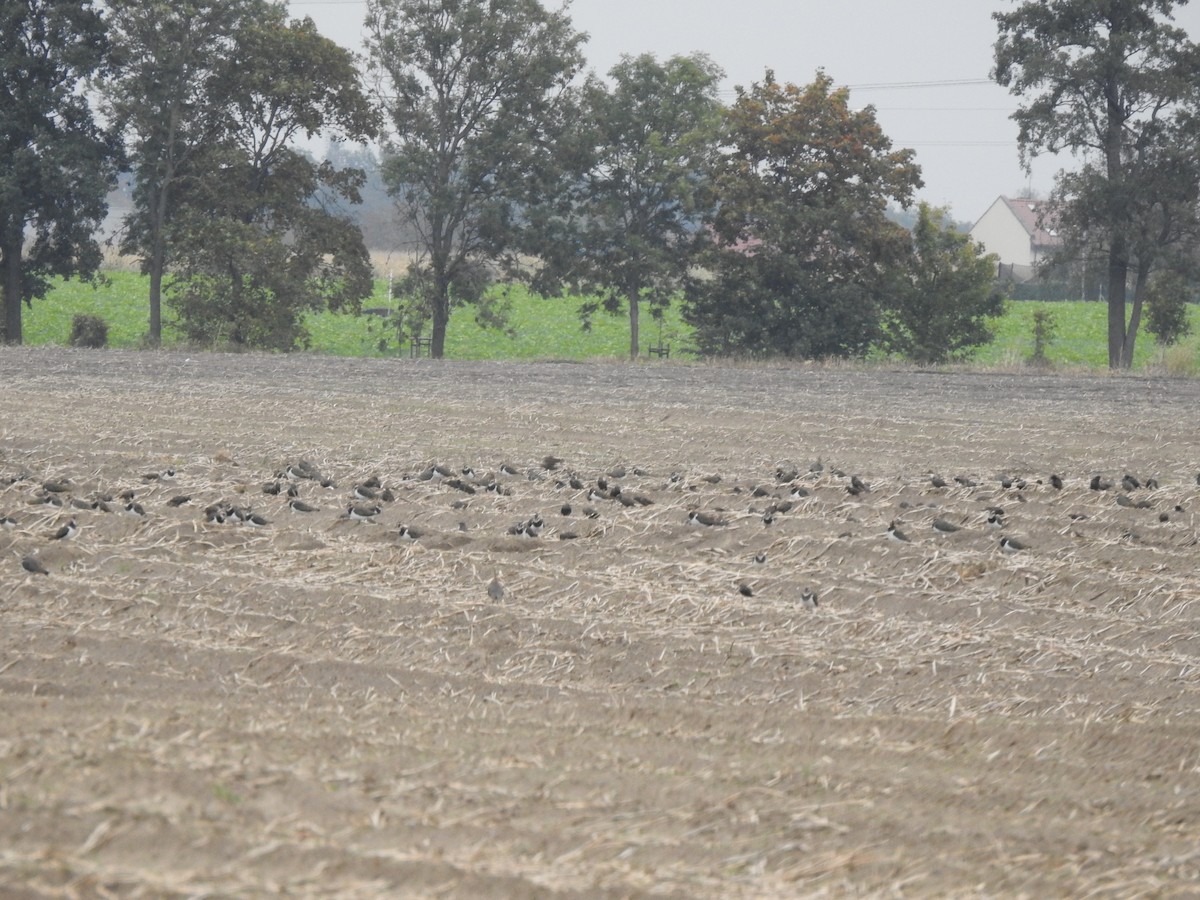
[{"x": 1000, "y": 232}]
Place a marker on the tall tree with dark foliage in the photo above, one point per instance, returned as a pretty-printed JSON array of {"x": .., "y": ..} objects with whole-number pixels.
[
  {"x": 475, "y": 93},
  {"x": 802, "y": 253},
  {"x": 1118, "y": 84},
  {"x": 56, "y": 164}
]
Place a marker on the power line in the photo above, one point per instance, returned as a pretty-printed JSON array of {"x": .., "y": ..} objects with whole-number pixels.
[{"x": 900, "y": 85}]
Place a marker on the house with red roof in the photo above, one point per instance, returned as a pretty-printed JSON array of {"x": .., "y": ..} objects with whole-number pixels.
[{"x": 1021, "y": 232}]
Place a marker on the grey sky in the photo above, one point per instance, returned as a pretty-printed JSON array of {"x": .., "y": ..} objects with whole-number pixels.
[{"x": 951, "y": 115}]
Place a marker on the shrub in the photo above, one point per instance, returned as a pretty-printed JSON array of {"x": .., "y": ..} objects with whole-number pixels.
[
  {"x": 1166, "y": 308},
  {"x": 88, "y": 331},
  {"x": 1044, "y": 328}
]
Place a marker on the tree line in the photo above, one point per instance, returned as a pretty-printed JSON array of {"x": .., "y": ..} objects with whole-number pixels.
[{"x": 505, "y": 159}]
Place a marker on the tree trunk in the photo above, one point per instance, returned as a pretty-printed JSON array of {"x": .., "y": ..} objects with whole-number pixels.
[
  {"x": 14, "y": 246},
  {"x": 1135, "y": 317},
  {"x": 634, "y": 304},
  {"x": 1118, "y": 273},
  {"x": 158, "y": 262},
  {"x": 441, "y": 313},
  {"x": 156, "y": 277}
]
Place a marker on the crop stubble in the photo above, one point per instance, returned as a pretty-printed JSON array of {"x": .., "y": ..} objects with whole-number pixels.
[{"x": 320, "y": 708}]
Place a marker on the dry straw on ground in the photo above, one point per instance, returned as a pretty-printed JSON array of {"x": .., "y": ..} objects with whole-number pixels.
[{"x": 319, "y": 707}]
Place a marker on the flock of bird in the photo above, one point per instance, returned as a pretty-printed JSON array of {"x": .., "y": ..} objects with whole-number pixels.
[{"x": 710, "y": 502}]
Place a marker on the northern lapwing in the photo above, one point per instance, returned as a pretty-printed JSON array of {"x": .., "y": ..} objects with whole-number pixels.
[
  {"x": 297, "y": 505},
  {"x": 8, "y": 522},
  {"x": 1012, "y": 545},
  {"x": 937, "y": 481},
  {"x": 360, "y": 512},
  {"x": 67, "y": 532},
  {"x": 894, "y": 533},
  {"x": 696, "y": 517},
  {"x": 33, "y": 565},
  {"x": 745, "y": 590},
  {"x": 410, "y": 533},
  {"x": 363, "y": 492},
  {"x": 302, "y": 471},
  {"x": 179, "y": 500},
  {"x": 945, "y": 526},
  {"x": 808, "y": 597},
  {"x": 435, "y": 472},
  {"x": 133, "y": 508}
]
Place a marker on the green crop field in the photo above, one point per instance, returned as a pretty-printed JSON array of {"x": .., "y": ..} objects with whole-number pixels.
[{"x": 541, "y": 328}]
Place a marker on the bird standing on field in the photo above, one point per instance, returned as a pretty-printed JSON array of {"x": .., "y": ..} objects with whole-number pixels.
[
  {"x": 495, "y": 589},
  {"x": 1012, "y": 545},
  {"x": 33, "y": 565},
  {"x": 67, "y": 532}
]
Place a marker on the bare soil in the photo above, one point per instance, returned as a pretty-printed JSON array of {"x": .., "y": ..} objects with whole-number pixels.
[{"x": 316, "y": 707}]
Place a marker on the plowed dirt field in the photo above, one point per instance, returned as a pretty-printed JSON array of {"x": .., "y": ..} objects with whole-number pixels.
[{"x": 320, "y": 706}]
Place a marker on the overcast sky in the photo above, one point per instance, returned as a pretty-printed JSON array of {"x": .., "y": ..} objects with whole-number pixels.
[{"x": 923, "y": 64}]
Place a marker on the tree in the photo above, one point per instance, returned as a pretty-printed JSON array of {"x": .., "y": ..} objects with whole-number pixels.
[
  {"x": 475, "y": 94},
  {"x": 802, "y": 250},
  {"x": 634, "y": 211},
  {"x": 56, "y": 164},
  {"x": 944, "y": 296},
  {"x": 1116, "y": 83},
  {"x": 159, "y": 94},
  {"x": 260, "y": 233}
]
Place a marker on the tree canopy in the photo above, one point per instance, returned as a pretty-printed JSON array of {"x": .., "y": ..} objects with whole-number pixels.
[
  {"x": 944, "y": 295},
  {"x": 801, "y": 251},
  {"x": 213, "y": 95},
  {"x": 625, "y": 228},
  {"x": 475, "y": 94},
  {"x": 1118, "y": 84},
  {"x": 56, "y": 164},
  {"x": 159, "y": 95},
  {"x": 259, "y": 234}
]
